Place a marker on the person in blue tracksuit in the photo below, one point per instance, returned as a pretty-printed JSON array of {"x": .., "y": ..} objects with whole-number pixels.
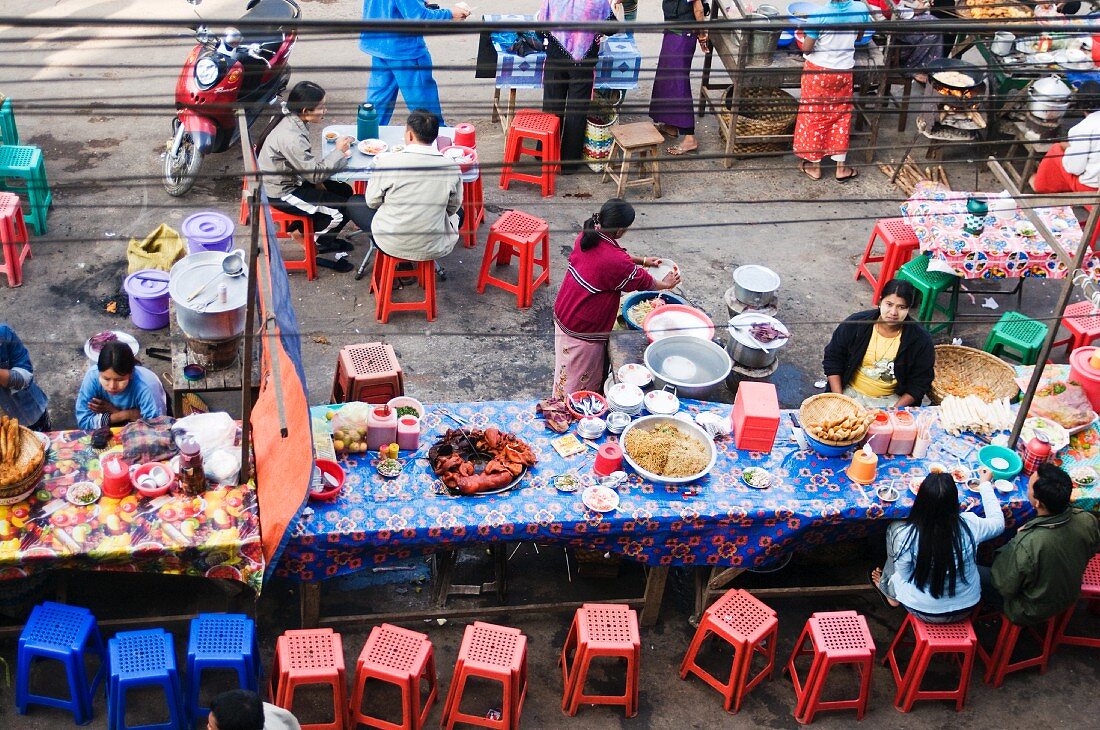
[{"x": 401, "y": 61}]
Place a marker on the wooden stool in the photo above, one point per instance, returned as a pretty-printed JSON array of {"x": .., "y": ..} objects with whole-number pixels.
[
  {"x": 282, "y": 223},
  {"x": 517, "y": 234},
  {"x": 14, "y": 239},
  {"x": 601, "y": 630},
  {"x": 841, "y": 637},
  {"x": 750, "y": 627},
  {"x": 401, "y": 657},
  {"x": 1090, "y": 592},
  {"x": 901, "y": 243},
  {"x": 545, "y": 131},
  {"x": 998, "y": 663},
  {"x": 928, "y": 640},
  {"x": 310, "y": 657},
  {"x": 382, "y": 281},
  {"x": 496, "y": 653},
  {"x": 473, "y": 203},
  {"x": 1082, "y": 320},
  {"x": 641, "y": 139}
]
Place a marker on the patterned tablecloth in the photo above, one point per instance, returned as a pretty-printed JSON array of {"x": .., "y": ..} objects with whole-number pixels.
[
  {"x": 937, "y": 216},
  {"x": 216, "y": 535},
  {"x": 1084, "y": 446},
  {"x": 718, "y": 520}
]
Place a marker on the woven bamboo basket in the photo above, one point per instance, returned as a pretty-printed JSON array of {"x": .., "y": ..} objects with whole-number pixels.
[
  {"x": 763, "y": 111},
  {"x": 831, "y": 407},
  {"x": 28, "y": 464},
  {"x": 964, "y": 371}
]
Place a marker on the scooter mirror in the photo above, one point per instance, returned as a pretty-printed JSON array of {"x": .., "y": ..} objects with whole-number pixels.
[{"x": 232, "y": 37}]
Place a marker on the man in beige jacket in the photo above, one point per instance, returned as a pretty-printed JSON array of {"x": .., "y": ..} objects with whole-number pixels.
[{"x": 416, "y": 195}]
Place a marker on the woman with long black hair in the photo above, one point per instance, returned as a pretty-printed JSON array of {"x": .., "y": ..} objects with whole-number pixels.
[
  {"x": 588, "y": 300},
  {"x": 931, "y": 567}
]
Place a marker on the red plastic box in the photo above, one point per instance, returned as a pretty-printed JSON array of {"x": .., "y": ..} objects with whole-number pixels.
[{"x": 755, "y": 417}]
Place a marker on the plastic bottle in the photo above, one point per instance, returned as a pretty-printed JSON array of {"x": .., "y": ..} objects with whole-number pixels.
[
  {"x": 192, "y": 477},
  {"x": 366, "y": 122},
  {"x": 408, "y": 433},
  {"x": 905, "y": 433},
  {"x": 381, "y": 427},
  {"x": 880, "y": 433}
]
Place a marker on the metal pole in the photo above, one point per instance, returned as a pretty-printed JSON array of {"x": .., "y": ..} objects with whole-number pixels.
[{"x": 250, "y": 307}]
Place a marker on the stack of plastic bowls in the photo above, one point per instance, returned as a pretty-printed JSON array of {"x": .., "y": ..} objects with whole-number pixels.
[{"x": 625, "y": 398}]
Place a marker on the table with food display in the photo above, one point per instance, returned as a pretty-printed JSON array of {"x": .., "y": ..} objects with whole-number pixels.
[
  {"x": 671, "y": 488},
  {"x": 66, "y": 504}
]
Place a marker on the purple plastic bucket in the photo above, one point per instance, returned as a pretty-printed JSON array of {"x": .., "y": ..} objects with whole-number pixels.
[
  {"x": 148, "y": 292},
  {"x": 208, "y": 230}
]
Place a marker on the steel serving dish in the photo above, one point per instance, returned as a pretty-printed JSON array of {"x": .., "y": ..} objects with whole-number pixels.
[{"x": 648, "y": 422}]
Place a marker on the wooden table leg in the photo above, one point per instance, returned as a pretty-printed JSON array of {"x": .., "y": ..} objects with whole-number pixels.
[
  {"x": 654, "y": 594},
  {"x": 310, "y": 604}
]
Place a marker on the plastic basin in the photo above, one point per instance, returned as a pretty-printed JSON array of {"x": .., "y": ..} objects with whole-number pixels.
[
  {"x": 640, "y": 296},
  {"x": 987, "y": 453},
  {"x": 826, "y": 449}
]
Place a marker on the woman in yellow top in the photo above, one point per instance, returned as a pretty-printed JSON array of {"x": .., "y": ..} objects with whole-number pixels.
[{"x": 882, "y": 357}]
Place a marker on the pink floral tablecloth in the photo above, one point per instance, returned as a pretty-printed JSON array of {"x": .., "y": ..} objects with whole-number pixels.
[{"x": 937, "y": 216}]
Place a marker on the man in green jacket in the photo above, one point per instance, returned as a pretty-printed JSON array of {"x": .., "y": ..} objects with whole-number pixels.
[{"x": 1038, "y": 573}]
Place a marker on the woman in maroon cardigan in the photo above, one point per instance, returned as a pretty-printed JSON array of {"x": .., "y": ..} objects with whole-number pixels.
[{"x": 588, "y": 300}]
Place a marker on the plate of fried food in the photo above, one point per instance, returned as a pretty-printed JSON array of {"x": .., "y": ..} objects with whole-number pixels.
[
  {"x": 834, "y": 419},
  {"x": 475, "y": 462},
  {"x": 21, "y": 458}
]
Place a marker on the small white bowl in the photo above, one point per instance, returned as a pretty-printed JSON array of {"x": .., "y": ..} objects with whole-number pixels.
[
  {"x": 624, "y": 396},
  {"x": 404, "y": 401},
  {"x": 591, "y": 427},
  {"x": 617, "y": 421},
  {"x": 1004, "y": 486}
]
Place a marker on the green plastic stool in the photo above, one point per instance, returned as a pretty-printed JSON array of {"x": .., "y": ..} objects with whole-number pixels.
[
  {"x": 9, "y": 133},
  {"x": 25, "y": 162},
  {"x": 932, "y": 284},
  {"x": 1016, "y": 337}
]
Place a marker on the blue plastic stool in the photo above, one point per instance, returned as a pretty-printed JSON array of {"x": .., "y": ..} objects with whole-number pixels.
[
  {"x": 27, "y": 164},
  {"x": 143, "y": 659},
  {"x": 220, "y": 641},
  {"x": 9, "y": 133},
  {"x": 62, "y": 633}
]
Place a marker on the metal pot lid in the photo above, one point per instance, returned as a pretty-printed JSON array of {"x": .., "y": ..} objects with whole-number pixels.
[
  {"x": 1051, "y": 86},
  {"x": 146, "y": 284},
  {"x": 756, "y": 278},
  {"x": 192, "y": 272},
  {"x": 738, "y": 329}
]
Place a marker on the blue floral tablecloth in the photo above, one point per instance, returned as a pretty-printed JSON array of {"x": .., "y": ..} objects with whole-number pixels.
[{"x": 717, "y": 520}]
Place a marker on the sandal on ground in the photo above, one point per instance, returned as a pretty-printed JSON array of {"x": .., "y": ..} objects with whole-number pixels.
[
  {"x": 668, "y": 130},
  {"x": 853, "y": 174},
  {"x": 335, "y": 246},
  {"x": 806, "y": 172},
  {"x": 677, "y": 151},
  {"x": 342, "y": 266}
]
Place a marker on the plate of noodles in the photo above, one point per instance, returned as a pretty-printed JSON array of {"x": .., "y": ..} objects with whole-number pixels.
[{"x": 667, "y": 450}]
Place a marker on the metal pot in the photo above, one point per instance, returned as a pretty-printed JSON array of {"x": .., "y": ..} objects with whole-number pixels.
[
  {"x": 744, "y": 349},
  {"x": 206, "y": 317},
  {"x": 695, "y": 367},
  {"x": 755, "y": 285},
  {"x": 1048, "y": 99},
  {"x": 762, "y": 37}
]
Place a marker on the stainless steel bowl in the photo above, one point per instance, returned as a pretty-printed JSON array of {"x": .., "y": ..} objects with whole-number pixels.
[
  {"x": 648, "y": 422},
  {"x": 694, "y": 367}
]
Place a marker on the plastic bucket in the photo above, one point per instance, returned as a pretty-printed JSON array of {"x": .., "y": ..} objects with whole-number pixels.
[
  {"x": 208, "y": 230},
  {"x": 148, "y": 293},
  {"x": 465, "y": 135}
]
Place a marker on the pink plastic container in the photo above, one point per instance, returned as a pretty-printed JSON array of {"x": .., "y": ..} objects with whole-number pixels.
[
  {"x": 880, "y": 433},
  {"x": 408, "y": 433},
  {"x": 1085, "y": 374},
  {"x": 905, "y": 433},
  {"x": 381, "y": 427}
]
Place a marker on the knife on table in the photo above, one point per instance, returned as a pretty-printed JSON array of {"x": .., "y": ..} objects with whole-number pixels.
[{"x": 798, "y": 433}]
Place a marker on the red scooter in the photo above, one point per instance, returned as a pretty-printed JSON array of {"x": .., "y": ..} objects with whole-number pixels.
[{"x": 223, "y": 75}]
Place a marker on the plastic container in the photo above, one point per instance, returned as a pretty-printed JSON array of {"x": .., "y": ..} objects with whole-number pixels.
[
  {"x": 1083, "y": 372},
  {"x": 408, "y": 433},
  {"x": 381, "y": 427},
  {"x": 208, "y": 230},
  {"x": 880, "y": 433},
  {"x": 116, "y": 476},
  {"x": 325, "y": 490},
  {"x": 609, "y": 458},
  {"x": 988, "y": 453},
  {"x": 153, "y": 479},
  {"x": 466, "y": 136},
  {"x": 864, "y": 467},
  {"x": 366, "y": 122},
  {"x": 148, "y": 293},
  {"x": 192, "y": 474},
  {"x": 904, "y": 437}
]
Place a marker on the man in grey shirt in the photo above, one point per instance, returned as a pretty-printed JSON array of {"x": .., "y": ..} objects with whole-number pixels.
[{"x": 241, "y": 709}]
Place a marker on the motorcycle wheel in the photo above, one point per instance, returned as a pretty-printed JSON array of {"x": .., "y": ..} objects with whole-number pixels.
[{"x": 181, "y": 169}]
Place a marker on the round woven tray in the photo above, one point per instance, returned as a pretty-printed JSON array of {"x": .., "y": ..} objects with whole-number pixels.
[
  {"x": 763, "y": 111},
  {"x": 964, "y": 371},
  {"x": 831, "y": 406},
  {"x": 29, "y": 465}
]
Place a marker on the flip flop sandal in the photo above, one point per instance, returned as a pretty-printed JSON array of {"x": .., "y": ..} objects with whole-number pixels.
[
  {"x": 668, "y": 130},
  {"x": 337, "y": 246},
  {"x": 680, "y": 151},
  {"x": 802, "y": 167},
  {"x": 846, "y": 178},
  {"x": 342, "y": 266}
]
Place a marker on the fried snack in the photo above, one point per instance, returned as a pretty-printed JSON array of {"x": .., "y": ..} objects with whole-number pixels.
[
  {"x": 951, "y": 384},
  {"x": 995, "y": 10},
  {"x": 847, "y": 428}
]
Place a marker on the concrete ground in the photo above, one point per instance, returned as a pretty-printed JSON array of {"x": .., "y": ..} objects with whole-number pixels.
[{"x": 99, "y": 103}]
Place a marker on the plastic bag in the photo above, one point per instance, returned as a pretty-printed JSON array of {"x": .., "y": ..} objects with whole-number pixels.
[
  {"x": 349, "y": 427},
  {"x": 1063, "y": 402},
  {"x": 160, "y": 249},
  {"x": 210, "y": 430},
  {"x": 150, "y": 440}
]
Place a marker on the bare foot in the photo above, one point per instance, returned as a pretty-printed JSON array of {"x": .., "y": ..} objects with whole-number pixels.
[
  {"x": 682, "y": 150},
  {"x": 876, "y": 579}
]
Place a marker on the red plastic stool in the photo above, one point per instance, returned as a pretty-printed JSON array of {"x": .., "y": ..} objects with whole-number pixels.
[
  {"x": 491, "y": 652},
  {"x": 601, "y": 630},
  {"x": 473, "y": 202},
  {"x": 305, "y": 657},
  {"x": 999, "y": 663},
  {"x": 747, "y": 624},
  {"x": 1082, "y": 320},
  {"x": 901, "y": 243},
  {"x": 400, "y": 657},
  {"x": 841, "y": 637},
  {"x": 282, "y": 223},
  {"x": 928, "y": 640},
  {"x": 543, "y": 129},
  {"x": 382, "y": 281},
  {"x": 13, "y": 238},
  {"x": 518, "y": 234},
  {"x": 1090, "y": 591}
]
